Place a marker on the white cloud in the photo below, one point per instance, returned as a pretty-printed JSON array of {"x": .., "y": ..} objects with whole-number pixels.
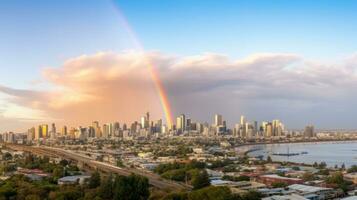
[{"x": 109, "y": 86}]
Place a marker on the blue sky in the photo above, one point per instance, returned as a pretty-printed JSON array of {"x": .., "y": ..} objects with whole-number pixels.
[{"x": 39, "y": 33}]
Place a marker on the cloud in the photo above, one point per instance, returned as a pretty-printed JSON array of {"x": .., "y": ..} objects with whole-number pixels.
[{"x": 110, "y": 86}]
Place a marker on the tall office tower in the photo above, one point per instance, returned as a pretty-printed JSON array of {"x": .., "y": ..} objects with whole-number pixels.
[
  {"x": 164, "y": 129},
  {"x": 31, "y": 134},
  {"x": 242, "y": 120},
  {"x": 105, "y": 131},
  {"x": 38, "y": 133},
  {"x": 255, "y": 128},
  {"x": 82, "y": 133},
  {"x": 148, "y": 117},
  {"x": 181, "y": 123},
  {"x": 91, "y": 132},
  {"x": 72, "y": 133},
  {"x": 116, "y": 129},
  {"x": 269, "y": 130},
  {"x": 309, "y": 131},
  {"x": 236, "y": 130},
  {"x": 264, "y": 128},
  {"x": 199, "y": 127},
  {"x": 116, "y": 126},
  {"x": 158, "y": 126},
  {"x": 188, "y": 124},
  {"x": 218, "y": 120},
  {"x": 10, "y": 137},
  {"x": 246, "y": 129},
  {"x": 98, "y": 132},
  {"x": 53, "y": 131},
  {"x": 45, "y": 131},
  {"x": 276, "y": 129},
  {"x": 125, "y": 127},
  {"x": 143, "y": 122},
  {"x": 134, "y": 127},
  {"x": 64, "y": 131},
  {"x": 111, "y": 129}
]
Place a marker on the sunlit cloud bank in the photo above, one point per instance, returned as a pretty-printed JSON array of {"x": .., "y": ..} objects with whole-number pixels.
[{"x": 111, "y": 86}]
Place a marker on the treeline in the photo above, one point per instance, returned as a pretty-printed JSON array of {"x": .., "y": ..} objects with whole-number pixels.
[{"x": 133, "y": 187}]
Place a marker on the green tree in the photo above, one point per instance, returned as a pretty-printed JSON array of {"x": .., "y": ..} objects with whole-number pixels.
[
  {"x": 211, "y": 193},
  {"x": 176, "y": 196},
  {"x": 94, "y": 180},
  {"x": 133, "y": 187},
  {"x": 322, "y": 165},
  {"x": 252, "y": 195},
  {"x": 120, "y": 163},
  {"x": 352, "y": 169},
  {"x": 58, "y": 172},
  {"x": 269, "y": 160},
  {"x": 7, "y": 156},
  {"x": 106, "y": 188},
  {"x": 200, "y": 180},
  {"x": 308, "y": 176},
  {"x": 64, "y": 163},
  {"x": 279, "y": 185}
]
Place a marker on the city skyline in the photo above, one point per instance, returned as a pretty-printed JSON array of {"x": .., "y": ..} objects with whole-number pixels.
[{"x": 114, "y": 60}]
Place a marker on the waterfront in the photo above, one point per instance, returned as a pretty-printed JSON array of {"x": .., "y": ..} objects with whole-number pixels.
[{"x": 333, "y": 153}]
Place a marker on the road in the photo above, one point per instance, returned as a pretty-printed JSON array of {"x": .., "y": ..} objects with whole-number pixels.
[{"x": 154, "y": 179}]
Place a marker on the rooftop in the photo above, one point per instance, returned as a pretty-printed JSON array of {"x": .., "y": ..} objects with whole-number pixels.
[{"x": 307, "y": 188}]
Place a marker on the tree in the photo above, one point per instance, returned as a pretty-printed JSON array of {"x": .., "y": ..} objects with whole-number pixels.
[
  {"x": 94, "y": 180},
  {"x": 64, "y": 163},
  {"x": 269, "y": 160},
  {"x": 315, "y": 164},
  {"x": 106, "y": 188},
  {"x": 337, "y": 179},
  {"x": 58, "y": 172},
  {"x": 252, "y": 195},
  {"x": 308, "y": 176},
  {"x": 120, "y": 163},
  {"x": 279, "y": 185},
  {"x": 7, "y": 156},
  {"x": 175, "y": 196},
  {"x": 200, "y": 180},
  {"x": 322, "y": 165},
  {"x": 352, "y": 169},
  {"x": 211, "y": 193},
  {"x": 133, "y": 187}
]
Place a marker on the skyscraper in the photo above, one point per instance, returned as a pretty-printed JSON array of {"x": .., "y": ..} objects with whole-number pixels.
[
  {"x": 309, "y": 131},
  {"x": 64, "y": 131},
  {"x": 181, "y": 123},
  {"x": 218, "y": 120},
  {"x": 44, "y": 128},
  {"x": 31, "y": 134},
  {"x": 53, "y": 131},
  {"x": 242, "y": 120},
  {"x": 38, "y": 133},
  {"x": 97, "y": 131}
]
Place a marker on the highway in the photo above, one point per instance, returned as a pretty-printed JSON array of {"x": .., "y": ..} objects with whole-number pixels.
[{"x": 154, "y": 179}]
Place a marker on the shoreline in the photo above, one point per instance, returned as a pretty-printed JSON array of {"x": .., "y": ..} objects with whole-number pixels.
[
  {"x": 296, "y": 142},
  {"x": 249, "y": 150}
]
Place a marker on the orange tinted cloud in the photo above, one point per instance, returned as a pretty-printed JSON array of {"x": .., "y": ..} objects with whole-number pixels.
[{"x": 110, "y": 86}]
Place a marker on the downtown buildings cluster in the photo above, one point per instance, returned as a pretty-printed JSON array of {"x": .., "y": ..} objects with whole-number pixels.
[{"x": 145, "y": 128}]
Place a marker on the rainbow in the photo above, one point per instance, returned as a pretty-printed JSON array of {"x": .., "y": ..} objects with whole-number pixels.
[{"x": 153, "y": 72}]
